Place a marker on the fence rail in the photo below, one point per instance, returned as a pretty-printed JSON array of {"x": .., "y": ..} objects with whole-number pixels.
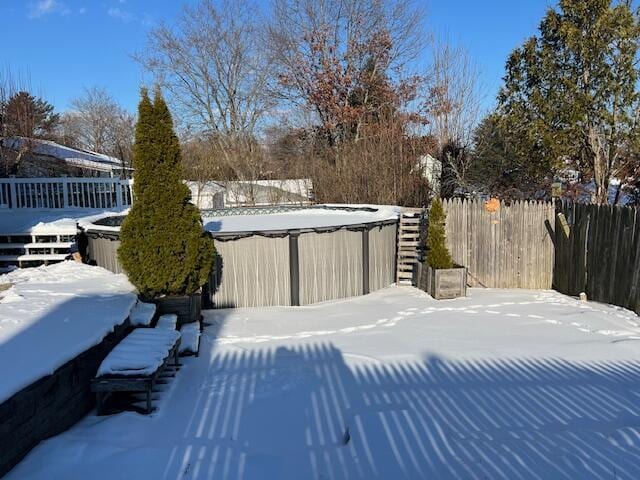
[
  {"x": 598, "y": 252},
  {"x": 65, "y": 192},
  {"x": 511, "y": 247}
]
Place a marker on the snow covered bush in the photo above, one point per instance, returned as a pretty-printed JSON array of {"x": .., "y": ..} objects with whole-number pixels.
[
  {"x": 438, "y": 255},
  {"x": 164, "y": 249}
]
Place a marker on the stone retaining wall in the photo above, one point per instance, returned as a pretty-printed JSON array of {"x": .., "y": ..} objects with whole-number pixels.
[{"x": 52, "y": 404}]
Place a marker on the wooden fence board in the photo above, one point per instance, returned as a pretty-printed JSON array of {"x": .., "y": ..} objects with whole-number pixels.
[
  {"x": 601, "y": 256},
  {"x": 509, "y": 248}
]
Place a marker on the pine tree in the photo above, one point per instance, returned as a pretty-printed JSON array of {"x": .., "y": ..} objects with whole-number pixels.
[
  {"x": 570, "y": 93},
  {"x": 24, "y": 115},
  {"x": 438, "y": 255},
  {"x": 164, "y": 249}
]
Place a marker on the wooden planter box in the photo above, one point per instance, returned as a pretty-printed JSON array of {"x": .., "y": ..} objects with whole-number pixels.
[
  {"x": 187, "y": 307},
  {"x": 442, "y": 283}
]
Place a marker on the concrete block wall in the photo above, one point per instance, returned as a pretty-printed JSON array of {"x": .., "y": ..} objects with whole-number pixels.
[{"x": 51, "y": 404}]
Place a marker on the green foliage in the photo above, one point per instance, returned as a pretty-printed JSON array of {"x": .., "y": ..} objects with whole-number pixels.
[
  {"x": 164, "y": 249},
  {"x": 438, "y": 255},
  {"x": 27, "y": 116},
  {"x": 570, "y": 93},
  {"x": 497, "y": 168}
]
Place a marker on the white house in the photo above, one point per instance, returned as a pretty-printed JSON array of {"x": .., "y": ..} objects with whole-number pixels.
[{"x": 251, "y": 193}]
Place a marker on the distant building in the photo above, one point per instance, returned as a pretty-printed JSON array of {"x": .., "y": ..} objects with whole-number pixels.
[
  {"x": 431, "y": 169},
  {"x": 206, "y": 195},
  {"x": 29, "y": 157},
  {"x": 256, "y": 193}
]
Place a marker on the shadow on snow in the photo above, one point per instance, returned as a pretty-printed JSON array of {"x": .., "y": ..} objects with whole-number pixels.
[{"x": 303, "y": 413}]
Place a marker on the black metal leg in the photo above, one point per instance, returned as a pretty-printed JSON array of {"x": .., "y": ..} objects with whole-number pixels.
[
  {"x": 149, "y": 400},
  {"x": 176, "y": 358},
  {"x": 99, "y": 401}
]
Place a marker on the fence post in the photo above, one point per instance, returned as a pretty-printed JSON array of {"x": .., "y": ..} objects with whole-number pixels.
[
  {"x": 65, "y": 193},
  {"x": 12, "y": 194},
  {"x": 118, "y": 185},
  {"x": 365, "y": 260},
  {"x": 294, "y": 269}
]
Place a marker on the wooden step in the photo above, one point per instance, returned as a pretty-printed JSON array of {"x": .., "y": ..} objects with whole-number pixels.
[
  {"x": 409, "y": 228},
  {"x": 406, "y": 267},
  {"x": 408, "y": 244},
  {"x": 406, "y": 220},
  {"x": 405, "y": 275},
  {"x": 408, "y": 261}
]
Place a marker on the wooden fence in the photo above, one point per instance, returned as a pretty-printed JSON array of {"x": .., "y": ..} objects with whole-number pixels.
[
  {"x": 598, "y": 252},
  {"x": 509, "y": 248}
]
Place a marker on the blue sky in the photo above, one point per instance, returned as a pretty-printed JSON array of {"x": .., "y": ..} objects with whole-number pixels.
[{"x": 66, "y": 45}]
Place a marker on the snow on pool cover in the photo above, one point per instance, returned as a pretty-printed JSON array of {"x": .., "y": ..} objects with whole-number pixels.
[
  {"x": 54, "y": 313},
  {"x": 320, "y": 216}
]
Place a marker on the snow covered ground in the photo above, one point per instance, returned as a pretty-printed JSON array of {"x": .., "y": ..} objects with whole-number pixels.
[
  {"x": 503, "y": 384},
  {"x": 52, "y": 314}
]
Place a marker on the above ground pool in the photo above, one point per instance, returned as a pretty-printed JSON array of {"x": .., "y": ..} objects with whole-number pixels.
[{"x": 267, "y": 256}]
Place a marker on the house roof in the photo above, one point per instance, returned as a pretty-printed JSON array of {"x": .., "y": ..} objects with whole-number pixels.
[{"x": 73, "y": 156}]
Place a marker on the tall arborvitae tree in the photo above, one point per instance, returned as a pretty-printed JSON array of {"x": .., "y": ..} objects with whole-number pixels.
[
  {"x": 164, "y": 249},
  {"x": 571, "y": 92},
  {"x": 438, "y": 255}
]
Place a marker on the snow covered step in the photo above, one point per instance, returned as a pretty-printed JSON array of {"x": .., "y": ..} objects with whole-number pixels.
[
  {"x": 168, "y": 321},
  {"x": 190, "y": 343},
  {"x": 142, "y": 314},
  {"x": 405, "y": 275},
  {"x": 36, "y": 245},
  {"x": 409, "y": 244},
  {"x": 408, "y": 266},
  {"x": 46, "y": 257}
]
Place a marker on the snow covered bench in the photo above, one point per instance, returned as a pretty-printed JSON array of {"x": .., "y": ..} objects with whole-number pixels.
[{"x": 135, "y": 364}]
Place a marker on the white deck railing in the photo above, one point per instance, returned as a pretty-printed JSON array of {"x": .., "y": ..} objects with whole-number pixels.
[{"x": 65, "y": 192}]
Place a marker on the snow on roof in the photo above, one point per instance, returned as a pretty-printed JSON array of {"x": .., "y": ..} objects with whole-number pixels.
[
  {"x": 54, "y": 313},
  {"x": 73, "y": 156}
]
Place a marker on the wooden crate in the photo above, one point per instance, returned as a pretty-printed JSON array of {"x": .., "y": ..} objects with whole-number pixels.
[
  {"x": 188, "y": 308},
  {"x": 442, "y": 283}
]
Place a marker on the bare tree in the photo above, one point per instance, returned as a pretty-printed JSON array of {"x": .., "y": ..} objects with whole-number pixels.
[
  {"x": 326, "y": 50},
  {"x": 453, "y": 108},
  {"x": 216, "y": 72},
  {"x": 97, "y": 122}
]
